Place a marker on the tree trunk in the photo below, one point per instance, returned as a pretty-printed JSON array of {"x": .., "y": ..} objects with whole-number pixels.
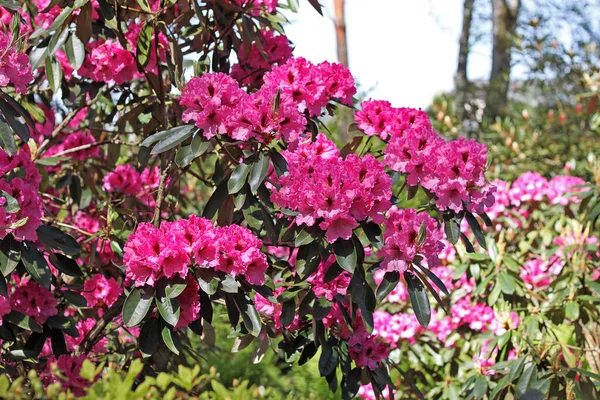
[
  {"x": 461, "y": 82},
  {"x": 340, "y": 31},
  {"x": 504, "y": 16}
]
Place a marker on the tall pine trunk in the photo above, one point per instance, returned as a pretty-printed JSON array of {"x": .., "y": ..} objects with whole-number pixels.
[
  {"x": 461, "y": 81},
  {"x": 340, "y": 31}
]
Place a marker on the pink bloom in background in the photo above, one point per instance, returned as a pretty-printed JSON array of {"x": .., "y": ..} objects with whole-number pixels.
[
  {"x": 189, "y": 303},
  {"x": 505, "y": 321},
  {"x": 485, "y": 359},
  {"x": 366, "y": 392},
  {"x": 14, "y": 65},
  {"x": 70, "y": 368},
  {"x": 402, "y": 243},
  {"x": 107, "y": 61},
  {"x": 77, "y": 140},
  {"x": 273, "y": 311},
  {"x": 537, "y": 273},
  {"x": 100, "y": 291},
  {"x": 530, "y": 186},
  {"x": 337, "y": 192},
  {"x": 396, "y": 327},
  {"x": 33, "y": 300},
  {"x": 84, "y": 327},
  {"x": 398, "y": 295},
  {"x": 124, "y": 179},
  {"x": 559, "y": 188}
]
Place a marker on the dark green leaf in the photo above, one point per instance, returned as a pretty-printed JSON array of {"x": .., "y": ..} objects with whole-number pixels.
[
  {"x": 437, "y": 281},
  {"x": 174, "y": 289},
  {"x": 157, "y": 137},
  {"x": 36, "y": 264},
  {"x": 374, "y": 234},
  {"x": 167, "y": 307},
  {"x": 144, "y": 44},
  {"x": 15, "y": 120},
  {"x": 22, "y": 321},
  {"x": 57, "y": 239},
  {"x": 469, "y": 247},
  {"x": 137, "y": 305},
  {"x": 480, "y": 387},
  {"x": 418, "y": 298},
  {"x": 7, "y": 139},
  {"x": 387, "y": 285},
  {"x": 106, "y": 9},
  {"x": 321, "y": 308},
  {"x": 476, "y": 228},
  {"x": 216, "y": 200},
  {"x": 10, "y": 254},
  {"x": 278, "y": 162},
  {"x": 175, "y": 137},
  {"x": 249, "y": 314},
  {"x": 150, "y": 335},
  {"x": 305, "y": 236},
  {"x": 74, "y": 298},
  {"x": 345, "y": 254},
  {"x": 308, "y": 260},
  {"x": 452, "y": 230},
  {"x": 65, "y": 265},
  {"x": 328, "y": 360},
  {"x": 288, "y": 312},
  {"x": 11, "y": 4},
  {"x": 316, "y": 6},
  {"x": 259, "y": 171},
  {"x": 171, "y": 339},
  {"x": 238, "y": 177}
]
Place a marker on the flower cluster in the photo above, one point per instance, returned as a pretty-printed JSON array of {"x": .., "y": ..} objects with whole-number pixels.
[
  {"x": 338, "y": 285},
  {"x": 14, "y": 67},
  {"x": 410, "y": 237},
  {"x": 101, "y": 291},
  {"x": 33, "y": 300},
  {"x": 367, "y": 350},
  {"x": 217, "y": 105},
  {"x": 253, "y": 65},
  {"x": 337, "y": 193},
  {"x": 19, "y": 178},
  {"x": 379, "y": 118},
  {"x": 127, "y": 180},
  {"x": 169, "y": 251}
]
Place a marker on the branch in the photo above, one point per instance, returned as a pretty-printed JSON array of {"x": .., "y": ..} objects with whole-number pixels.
[{"x": 97, "y": 331}]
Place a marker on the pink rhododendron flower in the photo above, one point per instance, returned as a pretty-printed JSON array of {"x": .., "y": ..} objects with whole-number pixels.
[
  {"x": 189, "y": 303},
  {"x": 77, "y": 140},
  {"x": 560, "y": 186},
  {"x": 14, "y": 65},
  {"x": 367, "y": 350},
  {"x": 108, "y": 61},
  {"x": 273, "y": 311},
  {"x": 379, "y": 118},
  {"x": 84, "y": 326},
  {"x": 530, "y": 186},
  {"x": 69, "y": 367},
  {"x": 337, "y": 192},
  {"x": 124, "y": 179},
  {"x": 537, "y": 273},
  {"x": 33, "y": 300},
  {"x": 402, "y": 243},
  {"x": 100, "y": 291},
  {"x": 339, "y": 285}
]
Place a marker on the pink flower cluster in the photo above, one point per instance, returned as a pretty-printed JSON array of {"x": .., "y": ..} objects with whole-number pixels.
[
  {"x": 339, "y": 285},
  {"x": 127, "y": 180},
  {"x": 108, "y": 61},
  {"x": 69, "y": 367},
  {"x": 537, "y": 273},
  {"x": 100, "y": 291},
  {"x": 367, "y": 350},
  {"x": 379, "y": 118},
  {"x": 217, "y": 105},
  {"x": 172, "y": 249},
  {"x": 336, "y": 192},
  {"x": 253, "y": 65},
  {"x": 530, "y": 186},
  {"x": 33, "y": 300},
  {"x": 403, "y": 246},
  {"x": 394, "y": 328},
  {"x": 273, "y": 311},
  {"x": 20, "y": 179},
  {"x": 14, "y": 65}
]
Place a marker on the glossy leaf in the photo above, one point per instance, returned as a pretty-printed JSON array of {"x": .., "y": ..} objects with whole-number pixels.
[
  {"x": 418, "y": 298},
  {"x": 137, "y": 305}
]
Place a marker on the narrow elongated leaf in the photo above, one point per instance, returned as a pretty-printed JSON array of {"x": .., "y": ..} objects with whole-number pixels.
[
  {"x": 35, "y": 264},
  {"x": 279, "y": 163},
  {"x": 22, "y": 321},
  {"x": 374, "y": 234},
  {"x": 259, "y": 171},
  {"x": 144, "y": 44},
  {"x": 321, "y": 308},
  {"x": 171, "y": 339},
  {"x": 74, "y": 298},
  {"x": 15, "y": 120},
  {"x": 57, "y": 40},
  {"x": 7, "y": 139},
  {"x": 328, "y": 361},
  {"x": 452, "y": 230},
  {"x": 215, "y": 201},
  {"x": 476, "y": 228},
  {"x": 167, "y": 307},
  {"x": 437, "y": 281},
  {"x": 288, "y": 312},
  {"x": 137, "y": 305},
  {"x": 238, "y": 177},
  {"x": 387, "y": 285},
  {"x": 418, "y": 298},
  {"x": 10, "y": 254},
  {"x": 173, "y": 289},
  {"x": 316, "y": 5},
  {"x": 57, "y": 239},
  {"x": 249, "y": 314},
  {"x": 176, "y": 136},
  {"x": 345, "y": 254},
  {"x": 75, "y": 50}
]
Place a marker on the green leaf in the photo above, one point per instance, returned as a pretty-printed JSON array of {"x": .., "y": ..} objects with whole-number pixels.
[
  {"x": 22, "y": 321},
  {"x": 157, "y": 137},
  {"x": 374, "y": 234},
  {"x": 387, "y": 285},
  {"x": 75, "y": 50},
  {"x": 10, "y": 254},
  {"x": 279, "y": 163},
  {"x": 150, "y": 335},
  {"x": 345, "y": 254},
  {"x": 572, "y": 310},
  {"x": 171, "y": 339},
  {"x": 316, "y": 6},
  {"x": 15, "y": 120},
  {"x": 35, "y": 264},
  {"x": 288, "y": 312},
  {"x": 452, "y": 229},
  {"x": 321, "y": 308},
  {"x": 476, "y": 228},
  {"x": 437, "y": 281},
  {"x": 249, "y": 314},
  {"x": 186, "y": 154},
  {"x": 167, "y": 307},
  {"x": 65, "y": 265},
  {"x": 308, "y": 260},
  {"x": 304, "y": 237},
  {"x": 480, "y": 387},
  {"x": 11, "y": 4},
  {"x": 177, "y": 136},
  {"x": 144, "y": 44},
  {"x": 56, "y": 41},
  {"x": 74, "y": 298},
  {"x": 238, "y": 177},
  {"x": 418, "y": 298},
  {"x": 11, "y": 206},
  {"x": 507, "y": 283},
  {"x": 137, "y": 305},
  {"x": 328, "y": 361},
  {"x": 174, "y": 289},
  {"x": 57, "y": 239},
  {"x": 7, "y": 139},
  {"x": 106, "y": 9},
  {"x": 216, "y": 200},
  {"x": 259, "y": 171}
]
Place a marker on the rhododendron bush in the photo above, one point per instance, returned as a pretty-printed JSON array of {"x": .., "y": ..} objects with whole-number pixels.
[{"x": 164, "y": 164}]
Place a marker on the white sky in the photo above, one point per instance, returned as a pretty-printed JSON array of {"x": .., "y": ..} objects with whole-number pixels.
[{"x": 405, "y": 51}]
